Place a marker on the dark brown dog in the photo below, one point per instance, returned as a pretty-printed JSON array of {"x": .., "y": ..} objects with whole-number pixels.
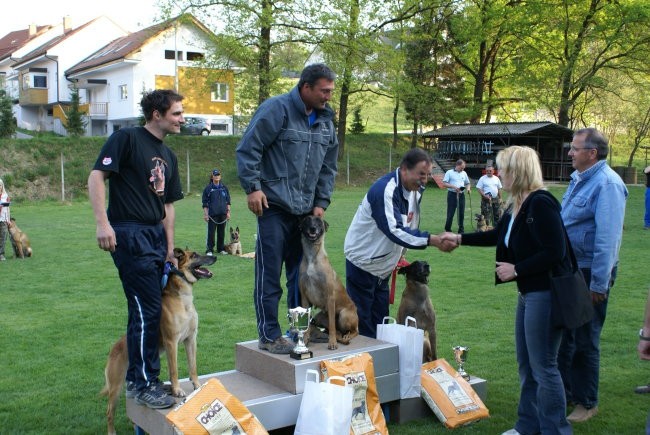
[
  {"x": 234, "y": 247},
  {"x": 179, "y": 323},
  {"x": 321, "y": 287},
  {"x": 416, "y": 303},
  {"x": 21, "y": 244}
]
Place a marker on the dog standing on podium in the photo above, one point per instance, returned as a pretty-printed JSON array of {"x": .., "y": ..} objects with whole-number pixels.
[{"x": 417, "y": 304}]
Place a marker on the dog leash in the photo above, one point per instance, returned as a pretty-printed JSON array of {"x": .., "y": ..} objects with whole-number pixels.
[
  {"x": 218, "y": 223},
  {"x": 391, "y": 295}
]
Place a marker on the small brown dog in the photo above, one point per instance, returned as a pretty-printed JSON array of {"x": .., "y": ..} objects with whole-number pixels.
[
  {"x": 416, "y": 303},
  {"x": 234, "y": 247},
  {"x": 21, "y": 244},
  {"x": 321, "y": 287},
  {"x": 481, "y": 224},
  {"x": 178, "y": 324}
]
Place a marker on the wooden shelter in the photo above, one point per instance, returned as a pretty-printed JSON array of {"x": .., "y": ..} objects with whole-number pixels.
[{"x": 479, "y": 144}]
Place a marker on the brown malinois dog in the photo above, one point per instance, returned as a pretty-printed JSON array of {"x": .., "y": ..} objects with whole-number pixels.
[{"x": 178, "y": 323}]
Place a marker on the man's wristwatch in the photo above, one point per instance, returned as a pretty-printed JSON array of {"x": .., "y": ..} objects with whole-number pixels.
[{"x": 643, "y": 337}]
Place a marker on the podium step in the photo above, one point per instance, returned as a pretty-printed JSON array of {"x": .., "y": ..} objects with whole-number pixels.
[{"x": 271, "y": 385}]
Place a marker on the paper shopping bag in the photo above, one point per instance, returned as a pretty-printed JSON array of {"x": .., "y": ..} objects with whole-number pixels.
[
  {"x": 326, "y": 408},
  {"x": 409, "y": 339}
]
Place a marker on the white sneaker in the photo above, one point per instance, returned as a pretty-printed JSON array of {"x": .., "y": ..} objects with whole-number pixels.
[
  {"x": 2, "y": 258},
  {"x": 223, "y": 253},
  {"x": 512, "y": 431},
  {"x": 209, "y": 253}
]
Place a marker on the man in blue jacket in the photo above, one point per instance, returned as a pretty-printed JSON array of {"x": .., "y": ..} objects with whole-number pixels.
[
  {"x": 384, "y": 226},
  {"x": 593, "y": 210},
  {"x": 286, "y": 163}
]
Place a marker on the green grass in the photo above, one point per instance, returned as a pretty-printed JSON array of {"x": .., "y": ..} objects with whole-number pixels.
[{"x": 61, "y": 310}]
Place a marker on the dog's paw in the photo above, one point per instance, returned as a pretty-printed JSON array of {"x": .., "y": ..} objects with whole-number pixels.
[
  {"x": 344, "y": 339},
  {"x": 178, "y": 392},
  {"x": 332, "y": 346}
]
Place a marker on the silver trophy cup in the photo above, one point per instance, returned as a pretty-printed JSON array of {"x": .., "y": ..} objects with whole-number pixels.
[
  {"x": 460, "y": 355},
  {"x": 299, "y": 321}
]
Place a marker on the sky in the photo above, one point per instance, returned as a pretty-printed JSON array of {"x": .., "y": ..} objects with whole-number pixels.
[{"x": 132, "y": 15}]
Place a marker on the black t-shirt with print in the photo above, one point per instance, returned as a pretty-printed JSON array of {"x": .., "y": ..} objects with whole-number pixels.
[{"x": 143, "y": 176}]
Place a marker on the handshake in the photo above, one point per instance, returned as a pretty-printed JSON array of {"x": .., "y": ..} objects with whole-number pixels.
[{"x": 446, "y": 242}]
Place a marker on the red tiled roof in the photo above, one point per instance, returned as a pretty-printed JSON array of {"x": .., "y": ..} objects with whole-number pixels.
[{"x": 12, "y": 41}]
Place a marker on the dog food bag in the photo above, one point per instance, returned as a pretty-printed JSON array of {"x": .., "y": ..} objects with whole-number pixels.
[
  {"x": 359, "y": 373},
  {"x": 211, "y": 409},
  {"x": 449, "y": 396}
]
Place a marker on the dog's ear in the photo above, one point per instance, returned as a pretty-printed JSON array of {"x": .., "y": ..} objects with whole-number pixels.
[
  {"x": 237, "y": 229},
  {"x": 178, "y": 253},
  {"x": 231, "y": 230},
  {"x": 326, "y": 225}
]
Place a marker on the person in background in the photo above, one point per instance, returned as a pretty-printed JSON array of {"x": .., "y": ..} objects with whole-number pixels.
[
  {"x": 530, "y": 244},
  {"x": 489, "y": 186},
  {"x": 593, "y": 210},
  {"x": 457, "y": 182},
  {"x": 216, "y": 212},
  {"x": 386, "y": 224},
  {"x": 286, "y": 163},
  {"x": 646, "y": 218},
  {"x": 138, "y": 230},
  {"x": 4, "y": 219}
]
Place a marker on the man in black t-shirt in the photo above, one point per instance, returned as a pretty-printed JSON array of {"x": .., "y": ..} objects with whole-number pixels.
[{"x": 138, "y": 229}]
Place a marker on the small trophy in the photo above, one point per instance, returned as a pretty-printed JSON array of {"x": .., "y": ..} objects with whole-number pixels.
[
  {"x": 460, "y": 355},
  {"x": 299, "y": 320}
]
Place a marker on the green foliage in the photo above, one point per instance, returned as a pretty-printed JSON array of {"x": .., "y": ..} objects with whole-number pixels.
[
  {"x": 357, "y": 122},
  {"x": 7, "y": 121},
  {"x": 59, "y": 315},
  {"x": 76, "y": 123}
]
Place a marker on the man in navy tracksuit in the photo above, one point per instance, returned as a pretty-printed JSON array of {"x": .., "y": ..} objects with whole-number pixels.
[
  {"x": 216, "y": 211},
  {"x": 286, "y": 163},
  {"x": 138, "y": 230},
  {"x": 385, "y": 224}
]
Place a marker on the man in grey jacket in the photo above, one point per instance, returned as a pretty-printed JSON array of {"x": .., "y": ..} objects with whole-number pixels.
[{"x": 286, "y": 163}]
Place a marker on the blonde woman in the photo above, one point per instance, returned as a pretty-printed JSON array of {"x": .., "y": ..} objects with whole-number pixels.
[
  {"x": 529, "y": 242},
  {"x": 4, "y": 219}
]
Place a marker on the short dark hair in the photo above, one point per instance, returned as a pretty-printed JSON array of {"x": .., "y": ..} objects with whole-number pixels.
[
  {"x": 312, "y": 73},
  {"x": 595, "y": 139},
  {"x": 160, "y": 100},
  {"x": 413, "y": 157},
  {"x": 459, "y": 162}
]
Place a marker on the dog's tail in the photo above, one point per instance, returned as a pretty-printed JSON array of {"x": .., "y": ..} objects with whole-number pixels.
[{"x": 114, "y": 374}]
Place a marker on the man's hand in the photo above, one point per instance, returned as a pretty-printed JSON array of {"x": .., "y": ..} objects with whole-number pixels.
[
  {"x": 257, "y": 202},
  {"x": 318, "y": 212},
  {"x": 505, "y": 271},
  {"x": 644, "y": 349},
  {"x": 172, "y": 259},
  {"x": 446, "y": 242},
  {"x": 106, "y": 237},
  {"x": 597, "y": 298}
]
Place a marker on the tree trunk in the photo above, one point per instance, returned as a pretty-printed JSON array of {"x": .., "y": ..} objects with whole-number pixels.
[
  {"x": 264, "y": 62},
  {"x": 395, "y": 112}
]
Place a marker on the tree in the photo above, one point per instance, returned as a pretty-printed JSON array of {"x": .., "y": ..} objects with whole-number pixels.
[
  {"x": 7, "y": 121},
  {"x": 572, "y": 43},
  {"x": 357, "y": 123},
  {"x": 75, "y": 123}
]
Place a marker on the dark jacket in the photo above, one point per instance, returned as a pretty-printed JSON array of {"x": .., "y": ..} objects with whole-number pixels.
[
  {"x": 536, "y": 245},
  {"x": 216, "y": 198}
]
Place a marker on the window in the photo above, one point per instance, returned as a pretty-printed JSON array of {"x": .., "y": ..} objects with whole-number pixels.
[
  {"x": 40, "y": 81},
  {"x": 169, "y": 54},
  {"x": 219, "y": 92},
  {"x": 123, "y": 92},
  {"x": 219, "y": 127},
  {"x": 191, "y": 55}
]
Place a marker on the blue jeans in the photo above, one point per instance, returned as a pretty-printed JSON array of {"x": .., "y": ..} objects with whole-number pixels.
[
  {"x": 370, "y": 294},
  {"x": 646, "y": 218},
  {"x": 579, "y": 357},
  {"x": 542, "y": 406},
  {"x": 278, "y": 243}
]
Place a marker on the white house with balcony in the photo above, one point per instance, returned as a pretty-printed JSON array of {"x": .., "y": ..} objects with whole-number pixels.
[
  {"x": 43, "y": 89},
  {"x": 169, "y": 55}
]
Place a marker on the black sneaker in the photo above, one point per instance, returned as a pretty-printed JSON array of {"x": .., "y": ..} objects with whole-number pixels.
[
  {"x": 280, "y": 346},
  {"x": 131, "y": 392},
  {"x": 154, "y": 396}
]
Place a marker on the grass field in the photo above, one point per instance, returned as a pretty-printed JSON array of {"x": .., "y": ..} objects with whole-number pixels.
[{"x": 61, "y": 310}]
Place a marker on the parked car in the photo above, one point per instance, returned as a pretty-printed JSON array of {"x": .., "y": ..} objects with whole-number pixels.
[{"x": 195, "y": 125}]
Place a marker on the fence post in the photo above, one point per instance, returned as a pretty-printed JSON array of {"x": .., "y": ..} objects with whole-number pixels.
[
  {"x": 187, "y": 159},
  {"x": 62, "y": 180}
]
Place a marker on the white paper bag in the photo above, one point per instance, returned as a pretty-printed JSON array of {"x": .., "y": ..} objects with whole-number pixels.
[
  {"x": 326, "y": 408},
  {"x": 409, "y": 339}
]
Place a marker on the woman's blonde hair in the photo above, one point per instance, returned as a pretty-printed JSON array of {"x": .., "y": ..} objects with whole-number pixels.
[{"x": 523, "y": 165}]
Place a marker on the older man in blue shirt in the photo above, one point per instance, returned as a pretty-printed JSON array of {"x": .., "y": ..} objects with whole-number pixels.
[{"x": 593, "y": 210}]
